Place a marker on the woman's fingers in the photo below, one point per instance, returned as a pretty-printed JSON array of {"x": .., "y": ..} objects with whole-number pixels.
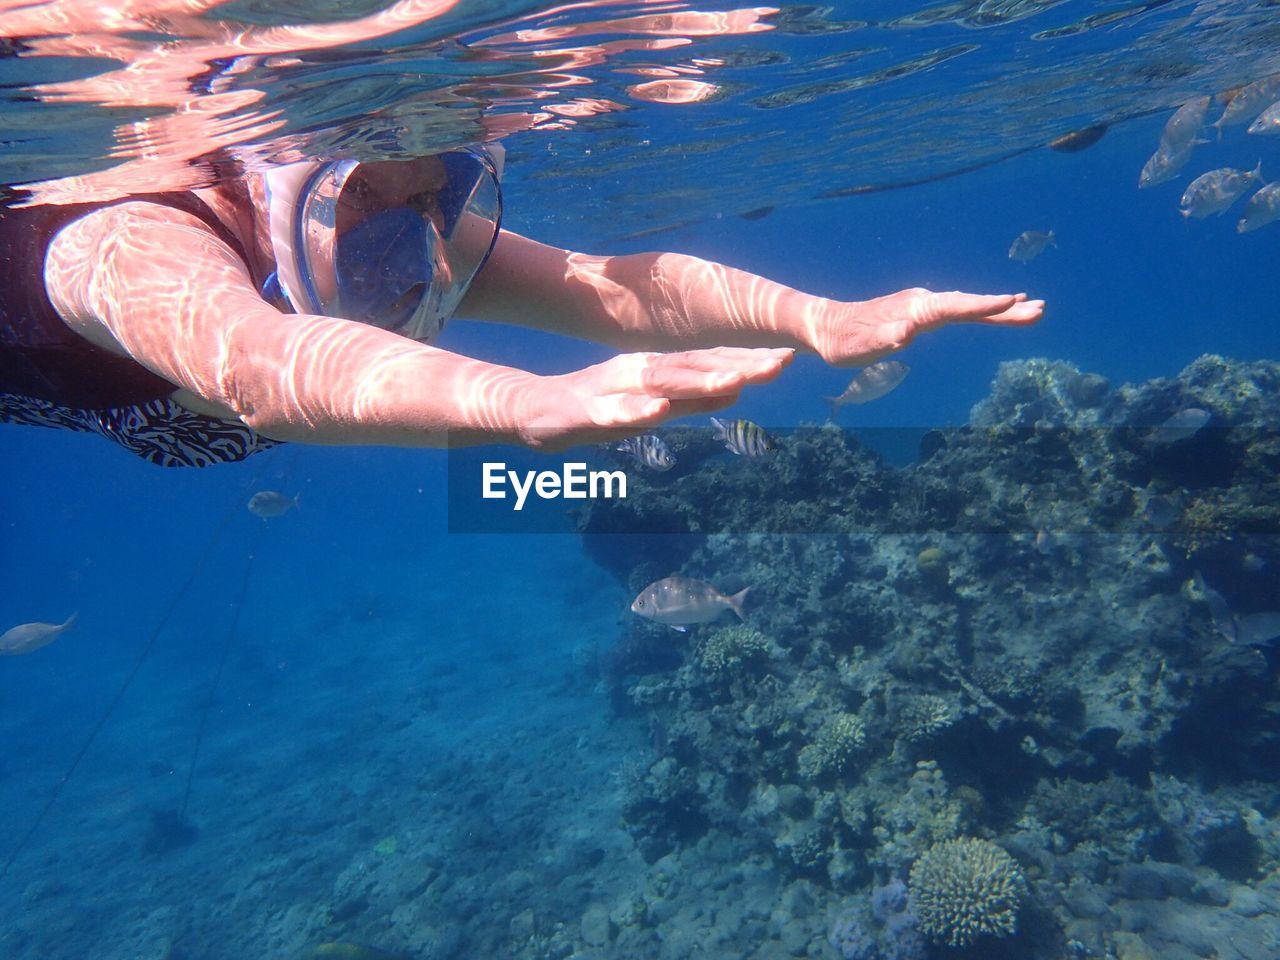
[
  {"x": 1005, "y": 308},
  {"x": 681, "y": 383},
  {"x": 1021, "y": 314},
  {"x": 716, "y": 372}
]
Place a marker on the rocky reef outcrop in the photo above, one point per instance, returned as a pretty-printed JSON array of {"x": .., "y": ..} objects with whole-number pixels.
[{"x": 1046, "y": 639}]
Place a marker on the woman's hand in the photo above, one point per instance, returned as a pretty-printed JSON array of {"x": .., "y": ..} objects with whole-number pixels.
[
  {"x": 855, "y": 334},
  {"x": 635, "y": 391}
]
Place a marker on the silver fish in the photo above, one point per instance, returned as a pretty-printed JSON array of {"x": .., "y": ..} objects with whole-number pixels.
[
  {"x": 271, "y": 503},
  {"x": 1164, "y": 164},
  {"x": 1268, "y": 121},
  {"x": 648, "y": 451},
  {"x": 32, "y": 636},
  {"x": 1258, "y": 628},
  {"x": 1248, "y": 102},
  {"x": 743, "y": 437},
  {"x": 1219, "y": 611},
  {"x": 681, "y": 601},
  {"x": 1029, "y": 244},
  {"x": 1215, "y": 191},
  {"x": 1178, "y": 139},
  {"x": 1263, "y": 208},
  {"x": 1182, "y": 425},
  {"x": 1184, "y": 127},
  {"x": 870, "y": 383}
]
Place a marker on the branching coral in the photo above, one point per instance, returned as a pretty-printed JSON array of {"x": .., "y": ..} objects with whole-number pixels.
[
  {"x": 965, "y": 889},
  {"x": 923, "y": 717},
  {"x": 728, "y": 649},
  {"x": 835, "y": 748}
]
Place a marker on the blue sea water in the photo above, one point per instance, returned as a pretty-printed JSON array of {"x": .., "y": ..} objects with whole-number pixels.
[{"x": 402, "y": 707}]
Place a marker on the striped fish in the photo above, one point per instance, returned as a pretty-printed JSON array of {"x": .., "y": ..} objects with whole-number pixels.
[
  {"x": 743, "y": 437},
  {"x": 648, "y": 451}
]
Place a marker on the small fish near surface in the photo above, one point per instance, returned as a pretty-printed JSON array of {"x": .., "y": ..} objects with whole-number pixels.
[
  {"x": 1247, "y": 102},
  {"x": 1263, "y": 208},
  {"x": 743, "y": 437},
  {"x": 1078, "y": 140},
  {"x": 680, "y": 602},
  {"x": 1029, "y": 244},
  {"x": 648, "y": 451},
  {"x": 1178, "y": 139},
  {"x": 1268, "y": 121},
  {"x": 32, "y": 636},
  {"x": 870, "y": 383},
  {"x": 271, "y": 503},
  {"x": 1215, "y": 191}
]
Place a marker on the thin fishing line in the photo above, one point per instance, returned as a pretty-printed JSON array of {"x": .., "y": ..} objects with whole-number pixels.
[
  {"x": 227, "y": 644},
  {"x": 218, "y": 672},
  {"x": 124, "y": 686}
]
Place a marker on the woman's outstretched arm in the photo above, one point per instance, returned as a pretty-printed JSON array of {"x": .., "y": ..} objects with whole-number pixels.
[
  {"x": 155, "y": 284},
  {"x": 667, "y": 301}
]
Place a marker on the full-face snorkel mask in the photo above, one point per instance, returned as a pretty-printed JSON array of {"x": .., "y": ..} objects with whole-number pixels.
[{"x": 394, "y": 244}]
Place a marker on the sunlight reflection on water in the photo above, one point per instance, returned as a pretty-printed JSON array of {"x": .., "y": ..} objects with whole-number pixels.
[{"x": 800, "y": 101}]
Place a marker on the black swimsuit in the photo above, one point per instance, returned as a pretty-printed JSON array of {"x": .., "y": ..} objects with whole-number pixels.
[{"x": 51, "y": 376}]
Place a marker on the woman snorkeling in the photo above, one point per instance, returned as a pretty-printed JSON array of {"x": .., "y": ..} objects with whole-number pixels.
[
  {"x": 299, "y": 305},
  {"x": 200, "y": 325}
]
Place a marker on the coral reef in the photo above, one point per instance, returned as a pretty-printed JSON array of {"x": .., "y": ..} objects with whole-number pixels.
[
  {"x": 834, "y": 750},
  {"x": 1021, "y": 637},
  {"x": 965, "y": 889}
]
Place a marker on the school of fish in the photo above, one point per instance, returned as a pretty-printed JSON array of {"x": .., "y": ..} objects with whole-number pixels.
[{"x": 1215, "y": 191}]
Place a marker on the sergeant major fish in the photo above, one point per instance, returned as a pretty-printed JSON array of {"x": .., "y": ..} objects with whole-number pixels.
[
  {"x": 870, "y": 383},
  {"x": 743, "y": 437},
  {"x": 271, "y": 503},
  {"x": 681, "y": 601},
  {"x": 648, "y": 451},
  {"x": 1029, "y": 244},
  {"x": 32, "y": 636},
  {"x": 1215, "y": 191},
  {"x": 1262, "y": 208}
]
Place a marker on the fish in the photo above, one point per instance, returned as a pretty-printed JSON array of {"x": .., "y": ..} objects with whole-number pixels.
[
  {"x": 271, "y": 503},
  {"x": 32, "y": 636},
  {"x": 1263, "y": 208},
  {"x": 1177, "y": 140},
  {"x": 1165, "y": 164},
  {"x": 1078, "y": 140},
  {"x": 1029, "y": 244},
  {"x": 681, "y": 601},
  {"x": 1161, "y": 512},
  {"x": 1247, "y": 102},
  {"x": 870, "y": 383},
  {"x": 1215, "y": 191},
  {"x": 1219, "y": 611},
  {"x": 1258, "y": 628},
  {"x": 1184, "y": 127},
  {"x": 1268, "y": 121},
  {"x": 1181, "y": 426},
  {"x": 648, "y": 451},
  {"x": 743, "y": 437}
]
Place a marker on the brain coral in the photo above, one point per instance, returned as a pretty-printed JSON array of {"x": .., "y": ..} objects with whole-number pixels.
[{"x": 964, "y": 889}]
